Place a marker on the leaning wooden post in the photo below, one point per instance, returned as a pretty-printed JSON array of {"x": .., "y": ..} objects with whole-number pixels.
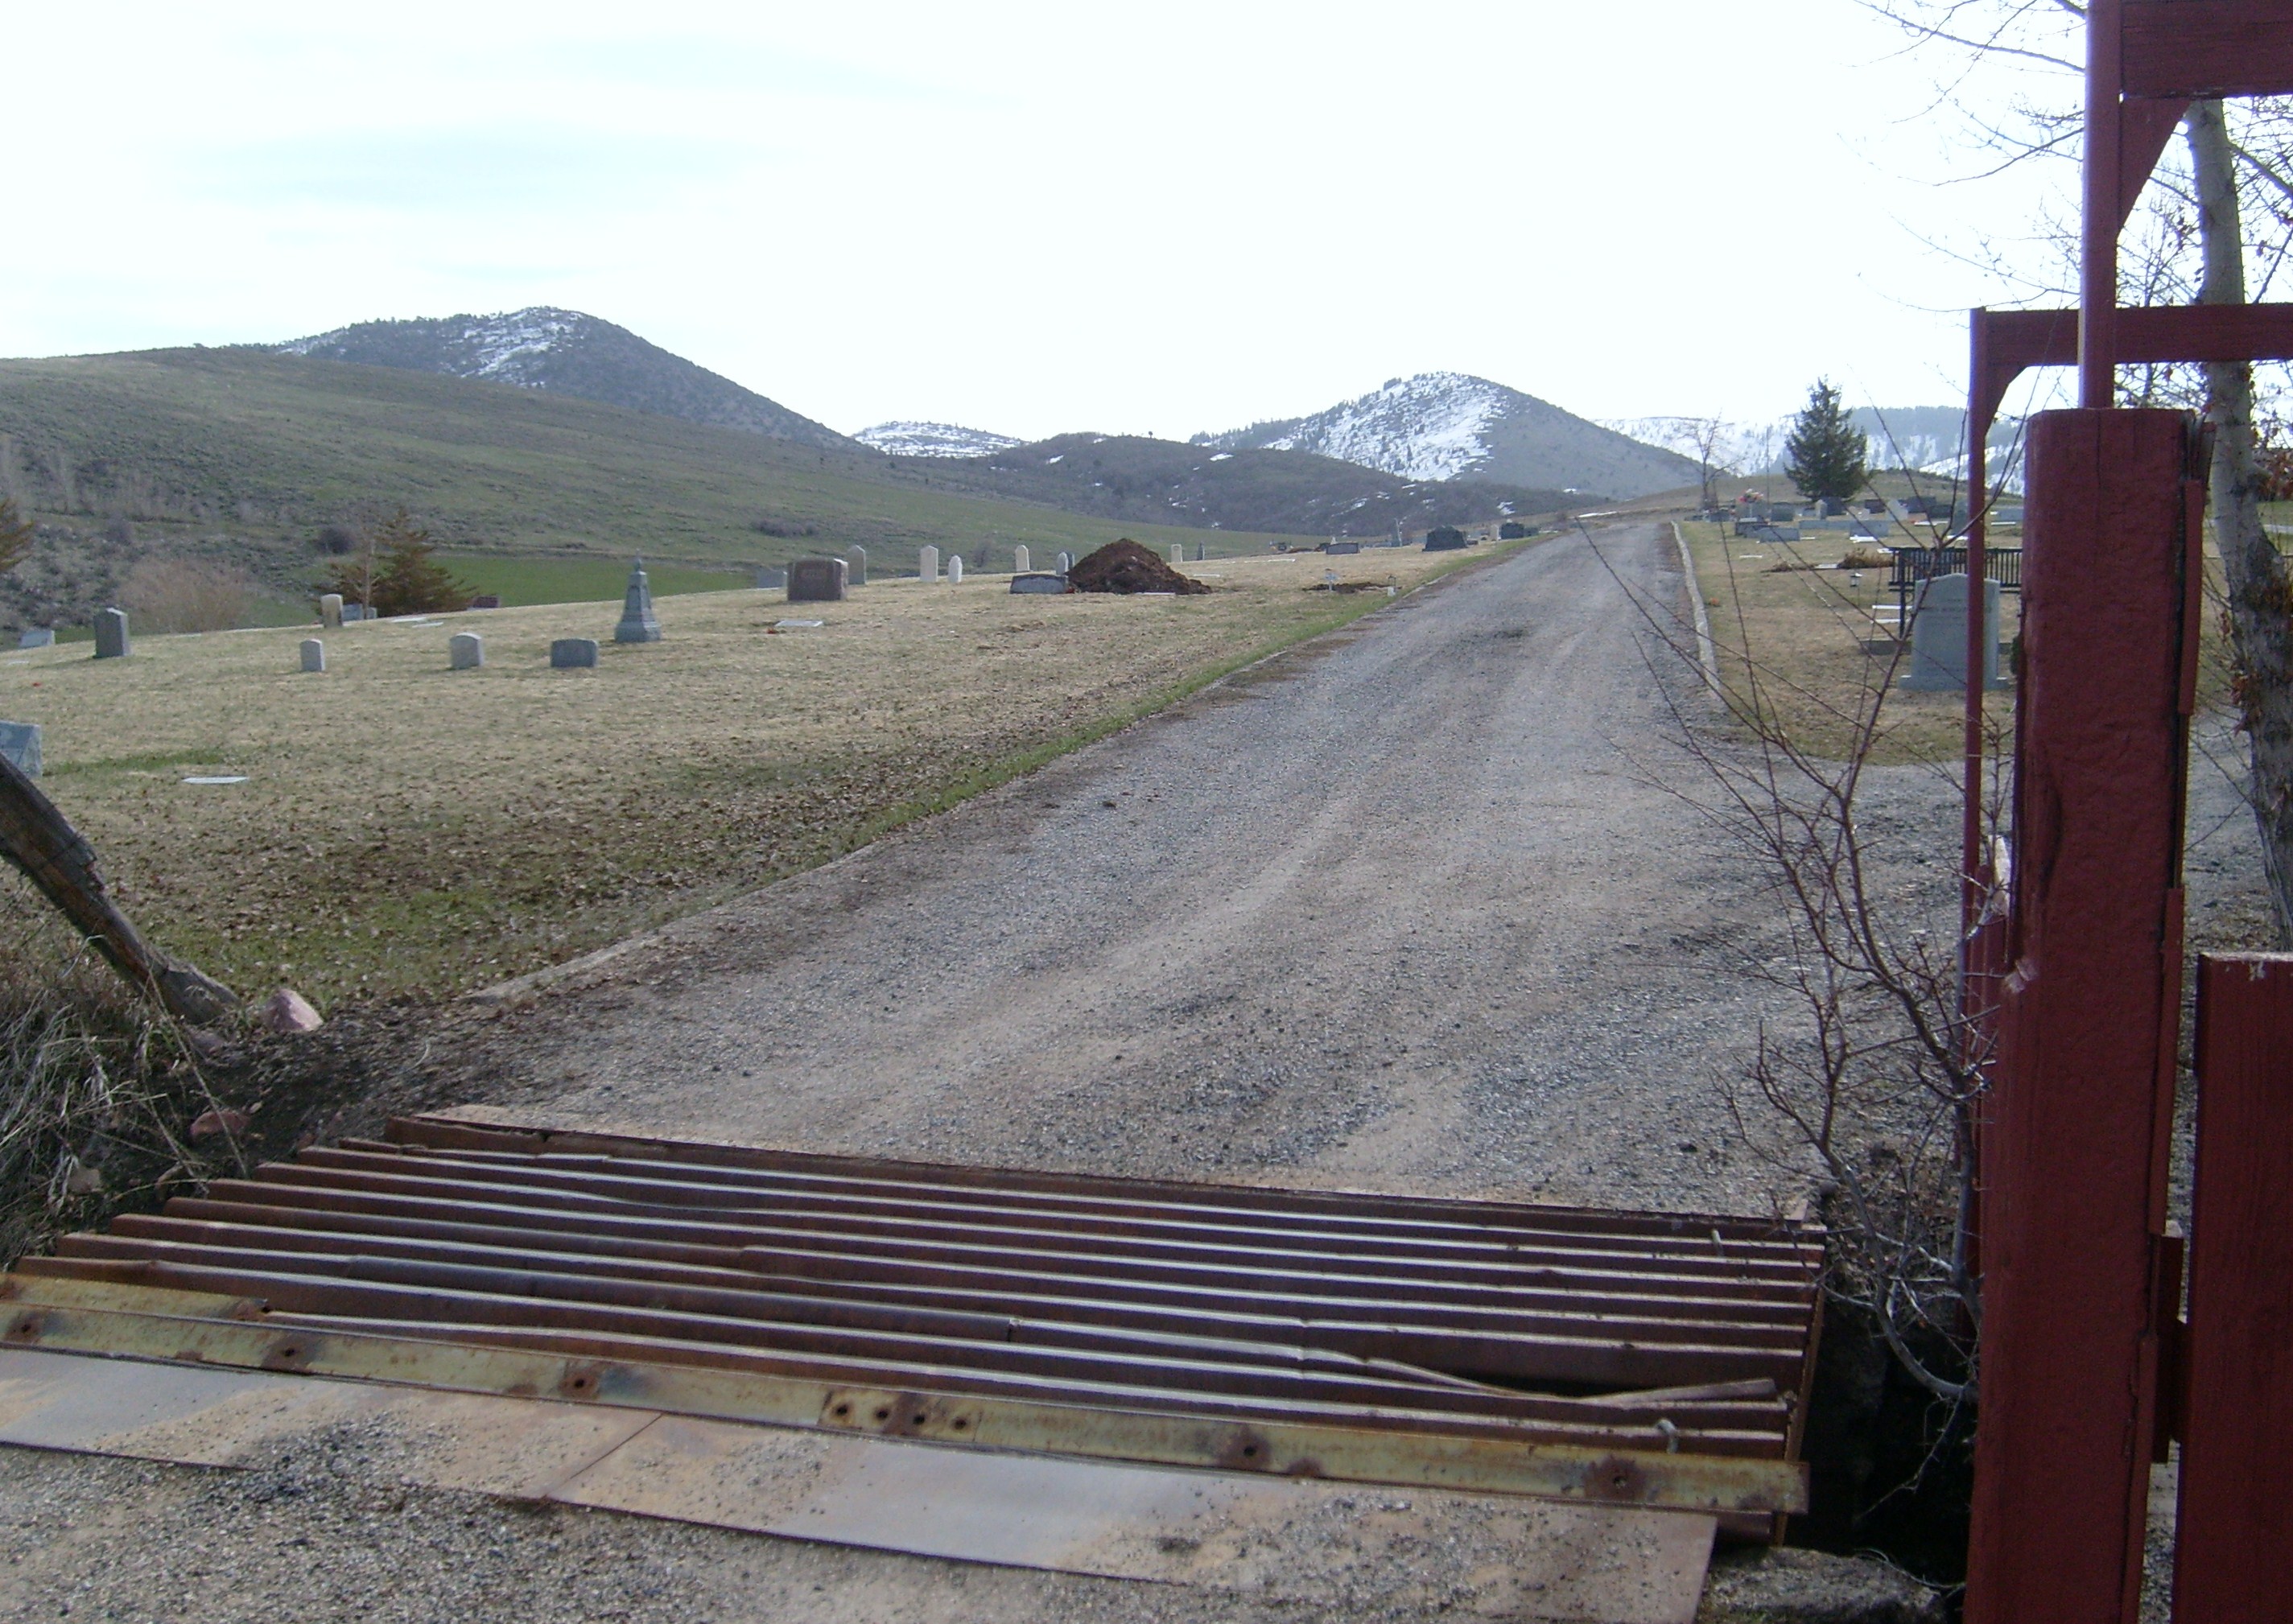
[{"x": 34, "y": 836}]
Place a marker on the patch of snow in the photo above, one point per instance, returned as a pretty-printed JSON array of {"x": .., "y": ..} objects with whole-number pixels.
[
  {"x": 903, "y": 438},
  {"x": 1223, "y": 457},
  {"x": 1061, "y": 457}
]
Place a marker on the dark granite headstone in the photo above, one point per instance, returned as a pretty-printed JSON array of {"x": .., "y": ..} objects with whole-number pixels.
[
  {"x": 112, "y": 635},
  {"x": 817, "y": 580},
  {"x": 567, "y": 653}
]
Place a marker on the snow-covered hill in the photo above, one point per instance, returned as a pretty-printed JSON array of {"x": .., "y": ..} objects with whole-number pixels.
[
  {"x": 1450, "y": 425},
  {"x": 908, "y": 439},
  {"x": 566, "y": 352},
  {"x": 1926, "y": 438}
]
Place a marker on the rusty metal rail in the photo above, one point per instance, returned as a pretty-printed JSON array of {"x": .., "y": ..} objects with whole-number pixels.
[{"x": 1641, "y": 1357}]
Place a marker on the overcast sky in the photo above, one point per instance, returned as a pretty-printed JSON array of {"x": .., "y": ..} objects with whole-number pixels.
[{"x": 1142, "y": 218}]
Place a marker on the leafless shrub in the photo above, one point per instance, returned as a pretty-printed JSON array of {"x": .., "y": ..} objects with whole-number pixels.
[{"x": 186, "y": 594}]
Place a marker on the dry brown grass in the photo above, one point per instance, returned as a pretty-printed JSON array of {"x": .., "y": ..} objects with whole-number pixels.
[
  {"x": 408, "y": 829},
  {"x": 166, "y": 596},
  {"x": 1781, "y": 613}
]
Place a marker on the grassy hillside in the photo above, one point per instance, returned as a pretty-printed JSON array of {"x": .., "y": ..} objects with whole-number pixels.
[
  {"x": 1136, "y": 480},
  {"x": 246, "y": 455}
]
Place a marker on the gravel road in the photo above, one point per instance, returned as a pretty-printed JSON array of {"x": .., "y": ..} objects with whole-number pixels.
[
  {"x": 1413, "y": 908},
  {"x": 1410, "y": 907}
]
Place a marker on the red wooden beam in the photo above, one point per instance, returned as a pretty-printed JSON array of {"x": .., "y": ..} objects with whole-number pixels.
[
  {"x": 2187, "y": 49},
  {"x": 2075, "y": 1147},
  {"x": 2234, "y": 1535},
  {"x": 2009, "y": 343}
]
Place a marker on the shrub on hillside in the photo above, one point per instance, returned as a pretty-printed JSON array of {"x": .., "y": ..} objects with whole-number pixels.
[
  {"x": 15, "y": 536},
  {"x": 336, "y": 540},
  {"x": 399, "y": 573},
  {"x": 186, "y": 594}
]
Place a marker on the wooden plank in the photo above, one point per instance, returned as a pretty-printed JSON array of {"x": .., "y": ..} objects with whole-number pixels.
[
  {"x": 2206, "y": 48},
  {"x": 2234, "y": 1539}
]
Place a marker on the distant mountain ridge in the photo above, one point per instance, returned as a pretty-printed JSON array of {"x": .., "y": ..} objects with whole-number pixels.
[
  {"x": 905, "y": 438},
  {"x": 567, "y": 352},
  {"x": 1132, "y": 480},
  {"x": 1451, "y": 425}
]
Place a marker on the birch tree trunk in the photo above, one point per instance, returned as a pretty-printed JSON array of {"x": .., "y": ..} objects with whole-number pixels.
[{"x": 2260, "y": 602}]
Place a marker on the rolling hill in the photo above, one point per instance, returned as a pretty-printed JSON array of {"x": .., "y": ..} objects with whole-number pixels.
[
  {"x": 1140, "y": 481},
  {"x": 246, "y": 454},
  {"x": 566, "y": 352},
  {"x": 1448, "y": 425}
]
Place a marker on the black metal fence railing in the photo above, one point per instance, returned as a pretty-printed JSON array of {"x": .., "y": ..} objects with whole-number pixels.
[{"x": 1913, "y": 565}]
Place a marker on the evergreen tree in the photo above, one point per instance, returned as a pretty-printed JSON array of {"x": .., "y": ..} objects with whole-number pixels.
[
  {"x": 397, "y": 575},
  {"x": 1825, "y": 453}
]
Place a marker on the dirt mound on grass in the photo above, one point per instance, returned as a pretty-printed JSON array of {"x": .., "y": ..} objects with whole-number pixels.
[{"x": 1125, "y": 566}]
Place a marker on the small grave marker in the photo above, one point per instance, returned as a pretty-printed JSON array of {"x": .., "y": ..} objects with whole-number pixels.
[
  {"x": 1178, "y": 552},
  {"x": 571, "y": 653},
  {"x": 927, "y": 563},
  {"x": 1066, "y": 563},
  {"x": 1038, "y": 581},
  {"x": 486, "y": 599},
  {"x": 330, "y": 609},
  {"x": 314, "y": 654},
  {"x": 771, "y": 580},
  {"x": 19, "y": 742},
  {"x": 465, "y": 652},
  {"x": 857, "y": 559},
  {"x": 1020, "y": 562},
  {"x": 1201, "y": 552},
  {"x": 38, "y": 637},
  {"x": 111, "y": 641},
  {"x": 817, "y": 580},
  {"x": 1343, "y": 547},
  {"x": 955, "y": 570},
  {"x": 1939, "y": 635},
  {"x": 637, "y": 624}
]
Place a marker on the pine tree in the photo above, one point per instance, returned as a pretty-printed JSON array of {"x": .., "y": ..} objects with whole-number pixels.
[
  {"x": 1824, "y": 455},
  {"x": 397, "y": 575}
]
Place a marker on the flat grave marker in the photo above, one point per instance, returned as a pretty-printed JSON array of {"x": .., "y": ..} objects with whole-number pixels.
[{"x": 573, "y": 653}]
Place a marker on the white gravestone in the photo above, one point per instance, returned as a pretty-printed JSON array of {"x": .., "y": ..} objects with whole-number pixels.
[
  {"x": 314, "y": 654},
  {"x": 1939, "y": 636},
  {"x": 112, "y": 635},
  {"x": 927, "y": 563},
  {"x": 1066, "y": 563},
  {"x": 38, "y": 637},
  {"x": 465, "y": 651},
  {"x": 1019, "y": 561},
  {"x": 955, "y": 570},
  {"x": 855, "y": 572},
  {"x": 1178, "y": 552},
  {"x": 330, "y": 609}
]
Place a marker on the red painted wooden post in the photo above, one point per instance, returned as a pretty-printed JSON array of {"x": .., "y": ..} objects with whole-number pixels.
[
  {"x": 2076, "y": 1135},
  {"x": 2234, "y": 1536}
]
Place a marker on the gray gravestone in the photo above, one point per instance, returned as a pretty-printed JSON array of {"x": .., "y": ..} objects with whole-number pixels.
[
  {"x": 19, "y": 742},
  {"x": 330, "y": 609},
  {"x": 817, "y": 580},
  {"x": 1343, "y": 547},
  {"x": 1020, "y": 562},
  {"x": 771, "y": 580},
  {"x": 465, "y": 651},
  {"x": 314, "y": 654},
  {"x": 567, "y": 653},
  {"x": 1066, "y": 563},
  {"x": 112, "y": 635},
  {"x": 1178, "y": 552},
  {"x": 1038, "y": 581},
  {"x": 927, "y": 563},
  {"x": 955, "y": 570},
  {"x": 1201, "y": 552},
  {"x": 1939, "y": 636},
  {"x": 856, "y": 572},
  {"x": 38, "y": 637},
  {"x": 353, "y": 611},
  {"x": 637, "y": 624}
]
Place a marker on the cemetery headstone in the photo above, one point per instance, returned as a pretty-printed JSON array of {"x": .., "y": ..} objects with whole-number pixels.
[
  {"x": 856, "y": 572},
  {"x": 817, "y": 580},
  {"x": 330, "y": 609},
  {"x": 1178, "y": 552},
  {"x": 465, "y": 651},
  {"x": 19, "y": 742},
  {"x": 927, "y": 563},
  {"x": 1038, "y": 581},
  {"x": 38, "y": 637},
  {"x": 955, "y": 570},
  {"x": 1345, "y": 548},
  {"x": 1066, "y": 563},
  {"x": 1444, "y": 538},
  {"x": 486, "y": 599},
  {"x": 637, "y": 624},
  {"x": 1201, "y": 552},
  {"x": 771, "y": 580},
  {"x": 1939, "y": 635},
  {"x": 112, "y": 635},
  {"x": 314, "y": 654},
  {"x": 1020, "y": 561},
  {"x": 567, "y": 653},
  {"x": 354, "y": 611}
]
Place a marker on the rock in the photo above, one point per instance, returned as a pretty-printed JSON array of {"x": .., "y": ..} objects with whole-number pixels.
[
  {"x": 207, "y": 1124},
  {"x": 84, "y": 1180},
  {"x": 1764, "y": 1585},
  {"x": 288, "y": 1011}
]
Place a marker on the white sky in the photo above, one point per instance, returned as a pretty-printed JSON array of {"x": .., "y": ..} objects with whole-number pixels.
[{"x": 1143, "y": 218}]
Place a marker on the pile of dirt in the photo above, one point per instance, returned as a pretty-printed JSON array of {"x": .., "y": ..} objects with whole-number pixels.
[{"x": 1124, "y": 566}]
